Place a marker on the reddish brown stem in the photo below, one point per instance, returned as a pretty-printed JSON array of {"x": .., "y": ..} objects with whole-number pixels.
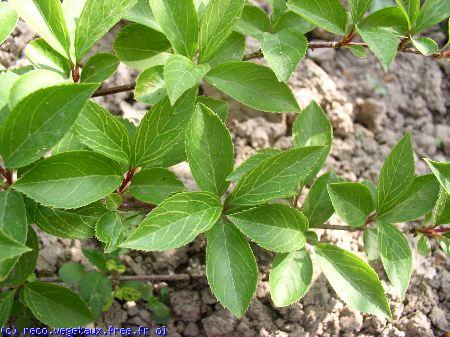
[
  {"x": 347, "y": 38},
  {"x": 126, "y": 180},
  {"x": 115, "y": 90},
  {"x": 75, "y": 72},
  {"x": 7, "y": 175}
]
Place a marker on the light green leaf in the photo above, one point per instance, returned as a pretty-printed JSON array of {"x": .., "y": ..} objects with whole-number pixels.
[
  {"x": 160, "y": 136},
  {"x": 42, "y": 56},
  {"x": 6, "y": 304},
  {"x": 253, "y": 22},
  {"x": 10, "y": 248},
  {"x": 113, "y": 201},
  {"x": 352, "y": 202},
  {"x": 396, "y": 175},
  {"x": 209, "y": 150},
  {"x": 141, "y": 47},
  {"x": 70, "y": 142},
  {"x": 142, "y": 13},
  {"x": 55, "y": 306},
  {"x": 442, "y": 212},
  {"x": 442, "y": 172},
  {"x": 417, "y": 201},
  {"x": 275, "y": 227},
  {"x": 231, "y": 50},
  {"x": 13, "y": 223},
  {"x": 31, "y": 82},
  {"x": 253, "y": 85},
  {"x": 7, "y": 80},
  {"x": 96, "y": 19},
  {"x": 290, "y": 277},
  {"x": 71, "y": 179},
  {"x": 178, "y": 20},
  {"x": 252, "y": 162},
  {"x": 396, "y": 256},
  {"x": 25, "y": 265},
  {"x": 154, "y": 185},
  {"x": 283, "y": 51},
  {"x": 95, "y": 289},
  {"x": 373, "y": 191},
  {"x": 218, "y": 22},
  {"x": 150, "y": 86},
  {"x": 99, "y": 68},
  {"x": 72, "y": 10},
  {"x": 8, "y": 18},
  {"x": 317, "y": 206},
  {"x": 410, "y": 8},
  {"x": 47, "y": 19},
  {"x": 292, "y": 21},
  {"x": 423, "y": 245},
  {"x": 278, "y": 7},
  {"x": 425, "y": 45},
  {"x": 219, "y": 107},
  {"x": 358, "y": 8},
  {"x": 355, "y": 282},
  {"x": 371, "y": 244},
  {"x": 176, "y": 222},
  {"x": 181, "y": 74},
  {"x": 275, "y": 177},
  {"x": 431, "y": 13},
  {"x": 389, "y": 17},
  {"x": 231, "y": 268},
  {"x": 358, "y": 51},
  {"x": 54, "y": 111},
  {"x": 99, "y": 130},
  {"x": 327, "y": 14},
  {"x": 71, "y": 272},
  {"x": 109, "y": 230}
]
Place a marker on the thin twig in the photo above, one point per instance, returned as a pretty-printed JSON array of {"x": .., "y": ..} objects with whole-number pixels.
[
  {"x": 114, "y": 90},
  {"x": 142, "y": 278},
  {"x": 341, "y": 228}
]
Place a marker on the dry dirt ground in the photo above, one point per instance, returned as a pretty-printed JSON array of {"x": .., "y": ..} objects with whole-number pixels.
[{"x": 370, "y": 110}]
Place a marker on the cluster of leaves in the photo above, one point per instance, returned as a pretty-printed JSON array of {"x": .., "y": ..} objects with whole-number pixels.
[{"x": 72, "y": 169}]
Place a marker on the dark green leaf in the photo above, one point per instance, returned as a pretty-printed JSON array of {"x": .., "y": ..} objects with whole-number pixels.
[
  {"x": 373, "y": 191},
  {"x": 42, "y": 56},
  {"x": 109, "y": 230},
  {"x": 431, "y": 13},
  {"x": 10, "y": 248},
  {"x": 95, "y": 288},
  {"x": 219, "y": 107},
  {"x": 291, "y": 20},
  {"x": 7, "y": 80},
  {"x": 231, "y": 50},
  {"x": 6, "y": 300},
  {"x": 253, "y": 22},
  {"x": 71, "y": 272},
  {"x": 410, "y": 8},
  {"x": 442, "y": 172},
  {"x": 358, "y": 8},
  {"x": 99, "y": 68},
  {"x": 358, "y": 51},
  {"x": 150, "y": 86},
  {"x": 442, "y": 212},
  {"x": 8, "y": 18},
  {"x": 96, "y": 258},
  {"x": 142, "y": 13},
  {"x": 113, "y": 202},
  {"x": 69, "y": 142},
  {"x": 252, "y": 162},
  {"x": 390, "y": 17}
]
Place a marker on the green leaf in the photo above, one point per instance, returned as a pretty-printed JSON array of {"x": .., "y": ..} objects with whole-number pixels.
[
  {"x": 71, "y": 224},
  {"x": 423, "y": 245},
  {"x": 290, "y": 277},
  {"x": 442, "y": 212},
  {"x": 373, "y": 191},
  {"x": 396, "y": 175},
  {"x": 253, "y": 22},
  {"x": 96, "y": 19},
  {"x": 142, "y": 13},
  {"x": 6, "y": 304},
  {"x": 13, "y": 223},
  {"x": 279, "y": 7},
  {"x": 231, "y": 268},
  {"x": 25, "y": 265},
  {"x": 275, "y": 227},
  {"x": 442, "y": 172},
  {"x": 425, "y": 45},
  {"x": 410, "y": 8},
  {"x": 72, "y": 10},
  {"x": 327, "y": 14},
  {"x": 95, "y": 288},
  {"x": 55, "y": 306},
  {"x": 209, "y": 150},
  {"x": 252, "y": 162},
  {"x": 176, "y": 222},
  {"x": 292, "y": 21},
  {"x": 431, "y": 13},
  {"x": 317, "y": 206},
  {"x": 371, "y": 244},
  {"x": 352, "y": 202},
  {"x": 253, "y": 85},
  {"x": 109, "y": 230},
  {"x": 141, "y": 47},
  {"x": 219, "y": 107},
  {"x": 10, "y": 248},
  {"x": 396, "y": 256},
  {"x": 389, "y": 17},
  {"x": 99, "y": 68},
  {"x": 275, "y": 177},
  {"x": 8, "y": 18},
  {"x": 160, "y": 136},
  {"x": 218, "y": 22},
  {"x": 231, "y": 50},
  {"x": 24, "y": 139},
  {"x": 355, "y": 282},
  {"x": 181, "y": 74},
  {"x": 7, "y": 80},
  {"x": 154, "y": 185},
  {"x": 42, "y": 56},
  {"x": 71, "y": 272},
  {"x": 71, "y": 179},
  {"x": 47, "y": 19},
  {"x": 113, "y": 202},
  {"x": 99, "y": 130},
  {"x": 150, "y": 86},
  {"x": 31, "y": 82},
  {"x": 178, "y": 20},
  {"x": 283, "y": 51},
  {"x": 358, "y": 8},
  {"x": 417, "y": 201},
  {"x": 358, "y": 51},
  {"x": 96, "y": 258}
]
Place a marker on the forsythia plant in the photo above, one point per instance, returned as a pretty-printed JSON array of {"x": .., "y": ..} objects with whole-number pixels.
[{"x": 74, "y": 170}]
